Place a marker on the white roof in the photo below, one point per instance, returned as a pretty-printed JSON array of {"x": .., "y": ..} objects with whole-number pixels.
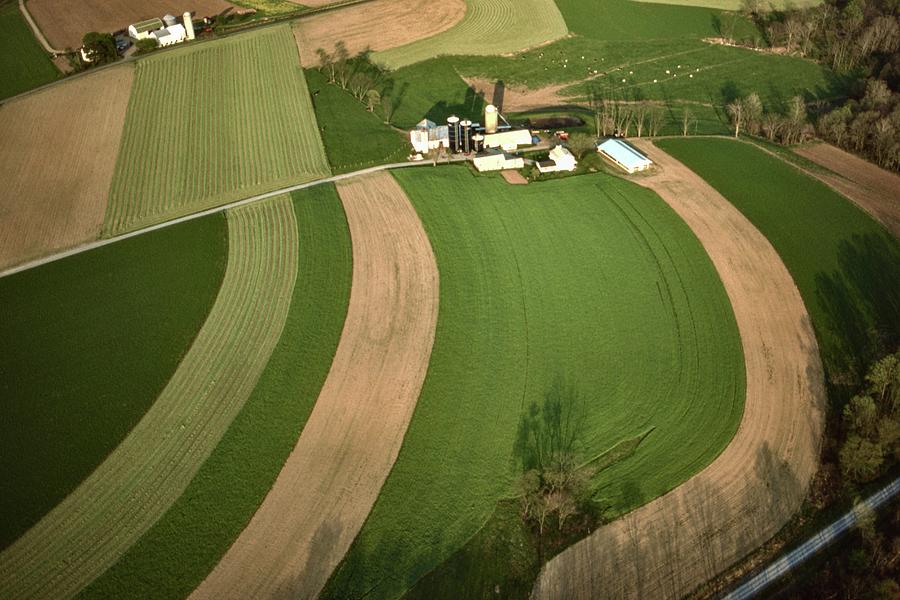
[
  {"x": 624, "y": 154},
  {"x": 425, "y": 124},
  {"x": 560, "y": 152}
]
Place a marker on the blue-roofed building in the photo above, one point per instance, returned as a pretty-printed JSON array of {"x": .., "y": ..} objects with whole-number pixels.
[{"x": 624, "y": 155}]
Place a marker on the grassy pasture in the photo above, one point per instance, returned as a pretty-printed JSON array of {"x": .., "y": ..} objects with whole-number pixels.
[
  {"x": 95, "y": 339},
  {"x": 344, "y": 122},
  {"x": 23, "y": 63},
  {"x": 185, "y": 544},
  {"x": 846, "y": 265},
  {"x": 213, "y": 123},
  {"x": 590, "y": 280},
  {"x": 489, "y": 27}
]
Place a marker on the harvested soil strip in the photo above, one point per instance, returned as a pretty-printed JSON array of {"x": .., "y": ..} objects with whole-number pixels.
[
  {"x": 671, "y": 545},
  {"x": 348, "y": 446},
  {"x": 872, "y": 188},
  {"x": 513, "y": 177},
  {"x": 376, "y": 25},
  {"x": 65, "y": 22},
  {"x": 136, "y": 484},
  {"x": 55, "y": 182}
]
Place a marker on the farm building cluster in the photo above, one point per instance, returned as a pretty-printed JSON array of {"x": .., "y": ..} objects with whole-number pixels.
[
  {"x": 166, "y": 31},
  {"x": 492, "y": 145}
]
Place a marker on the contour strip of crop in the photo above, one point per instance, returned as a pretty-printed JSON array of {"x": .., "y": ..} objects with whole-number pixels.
[
  {"x": 134, "y": 486},
  {"x": 489, "y": 27},
  {"x": 211, "y": 124}
]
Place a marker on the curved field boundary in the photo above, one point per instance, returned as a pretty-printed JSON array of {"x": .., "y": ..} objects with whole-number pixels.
[
  {"x": 872, "y": 188},
  {"x": 133, "y": 487},
  {"x": 212, "y": 123},
  {"x": 669, "y": 546},
  {"x": 489, "y": 27},
  {"x": 348, "y": 446},
  {"x": 377, "y": 25}
]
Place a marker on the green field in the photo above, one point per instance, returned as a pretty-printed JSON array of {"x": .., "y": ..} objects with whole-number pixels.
[
  {"x": 488, "y": 27},
  {"x": 95, "y": 339},
  {"x": 183, "y": 546},
  {"x": 344, "y": 122},
  {"x": 589, "y": 280},
  {"x": 846, "y": 265},
  {"x": 23, "y": 63},
  {"x": 737, "y": 5},
  {"x": 213, "y": 123}
]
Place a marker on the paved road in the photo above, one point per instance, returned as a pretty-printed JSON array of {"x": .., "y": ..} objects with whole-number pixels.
[
  {"x": 99, "y": 243},
  {"x": 759, "y": 582}
]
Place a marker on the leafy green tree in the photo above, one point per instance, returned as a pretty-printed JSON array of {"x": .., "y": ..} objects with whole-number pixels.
[
  {"x": 146, "y": 45},
  {"x": 99, "y": 47},
  {"x": 861, "y": 459}
]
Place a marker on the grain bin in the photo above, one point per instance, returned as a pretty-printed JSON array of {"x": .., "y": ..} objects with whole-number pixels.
[
  {"x": 490, "y": 119},
  {"x": 477, "y": 142},
  {"x": 169, "y": 20},
  {"x": 465, "y": 135},
  {"x": 453, "y": 133}
]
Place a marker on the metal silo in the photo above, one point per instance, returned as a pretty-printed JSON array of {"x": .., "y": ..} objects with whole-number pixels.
[
  {"x": 477, "y": 142},
  {"x": 490, "y": 118},
  {"x": 466, "y": 135},
  {"x": 453, "y": 133}
]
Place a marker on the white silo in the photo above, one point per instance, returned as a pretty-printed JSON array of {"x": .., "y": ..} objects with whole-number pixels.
[
  {"x": 188, "y": 26},
  {"x": 490, "y": 119}
]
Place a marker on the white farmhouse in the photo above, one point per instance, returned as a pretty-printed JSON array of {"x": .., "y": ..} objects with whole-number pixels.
[
  {"x": 560, "y": 160},
  {"x": 624, "y": 155},
  {"x": 495, "y": 159},
  {"x": 427, "y": 136},
  {"x": 167, "y": 36},
  {"x": 142, "y": 29}
]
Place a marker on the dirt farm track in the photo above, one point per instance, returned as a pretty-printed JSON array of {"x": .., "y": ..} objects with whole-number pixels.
[
  {"x": 669, "y": 546},
  {"x": 333, "y": 476}
]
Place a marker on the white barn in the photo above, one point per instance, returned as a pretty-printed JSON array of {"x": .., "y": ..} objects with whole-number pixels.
[
  {"x": 560, "y": 160},
  {"x": 508, "y": 140},
  {"x": 143, "y": 29},
  {"x": 167, "y": 36},
  {"x": 624, "y": 155},
  {"x": 495, "y": 159},
  {"x": 427, "y": 136}
]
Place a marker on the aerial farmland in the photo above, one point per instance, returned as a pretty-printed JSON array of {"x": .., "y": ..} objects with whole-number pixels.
[{"x": 350, "y": 299}]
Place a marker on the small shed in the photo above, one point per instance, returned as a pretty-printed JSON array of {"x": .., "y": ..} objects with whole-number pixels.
[
  {"x": 624, "y": 155},
  {"x": 560, "y": 160},
  {"x": 495, "y": 159},
  {"x": 142, "y": 29}
]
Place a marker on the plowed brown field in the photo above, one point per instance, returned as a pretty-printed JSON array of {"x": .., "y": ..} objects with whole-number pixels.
[
  {"x": 331, "y": 479},
  {"x": 376, "y": 25},
  {"x": 57, "y": 156},
  {"x": 875, "y": 190},
  {"x": 671, "y": 545},
  {"x": 64, "y": 22}
]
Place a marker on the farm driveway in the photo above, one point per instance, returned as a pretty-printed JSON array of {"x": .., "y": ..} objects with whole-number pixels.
[
  {"x": 111, "y": 509},
  {"x": 376, "y": 25},
  {"x": 873, "y": 189},
  {"x": 55, "y": 183},
  {"x": 671, "y": 545},
  {"x": 334, "y": 474}
]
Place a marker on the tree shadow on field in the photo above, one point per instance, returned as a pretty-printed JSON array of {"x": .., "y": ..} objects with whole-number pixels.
[
  {"x": 471, "y": 107},
  {"x": 861, "y": 301},
  {"x": 322, "y": 553}
]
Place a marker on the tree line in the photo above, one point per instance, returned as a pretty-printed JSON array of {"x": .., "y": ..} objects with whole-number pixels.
[{"x": 358, "y": 75}]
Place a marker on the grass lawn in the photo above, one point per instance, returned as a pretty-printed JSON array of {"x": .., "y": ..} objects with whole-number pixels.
[
  {"x": 178, "y": 552},
  {"x": 23, "y": 63},
  {"x": 590, "y": 281},
  {"x": 213, "y": 123},
  {"x": 489, "y": 27},
  {"x": 344, "y": 123},
  {"x": 95, "y": 338},
  {"x": 845, "y": 264}
]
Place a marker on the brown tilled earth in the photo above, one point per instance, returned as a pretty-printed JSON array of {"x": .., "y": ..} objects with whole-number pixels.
[
  {"x": 513, "y": 177},
  {"x": 57, "y": 157},
  {"x": 875, "y": 190},
  {"x": 376, "y": 25},
  {"x": 331, "y": 479},
  {"x": 671, "y": 545},
  {"x": 64, "y": 22},
  {"x": 519, "y": 98}
]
